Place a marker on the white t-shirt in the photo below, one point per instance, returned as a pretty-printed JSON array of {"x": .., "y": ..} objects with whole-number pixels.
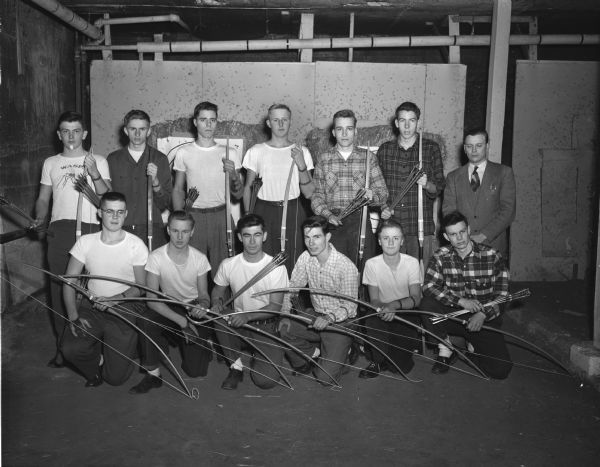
[
  {"x": 60, "y": 173},
  {"x": 203, "y": 169},
  {"x": 236, "y": 272},
  {"x": 115, "y": 261},
  {"x": 178, "y": 280},
  {"x": 392, "y": 283},
  {"x": 273, "y": 166}
]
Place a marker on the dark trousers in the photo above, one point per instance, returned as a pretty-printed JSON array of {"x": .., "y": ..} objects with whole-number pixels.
[
  {"x": 265, "y": 375},
  {"x": 195, "y": 355},
  {"x": 334, "y": 347},
  {"x": 396, "y": 339},
  {"x": 110, "y": 336},
  {"x": 210, "y": 235},
  {"x": 272, "y": 213},
  {"x": 491, "y": 352},
  {"x": 346, "y": 238},
  {"x": 60, "y": 240},
  {"x": 159, "y": 233}
]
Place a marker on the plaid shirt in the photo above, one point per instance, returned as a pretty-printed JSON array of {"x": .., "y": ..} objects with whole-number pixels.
[
  {"x": 396, "y": 164},
  {"x": 337, "y": 181},
  {"x": 339, "y": 274},
  {"x": 481, "y": 276}
]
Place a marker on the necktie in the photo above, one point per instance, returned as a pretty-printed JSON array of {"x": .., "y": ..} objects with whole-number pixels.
[{"x": 475, "y": 182}]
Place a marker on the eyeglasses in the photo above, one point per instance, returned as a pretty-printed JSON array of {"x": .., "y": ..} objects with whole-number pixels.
[{"x": 112, "y": 212}]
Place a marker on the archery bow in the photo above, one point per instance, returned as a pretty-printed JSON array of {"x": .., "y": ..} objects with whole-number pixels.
[
  {"x": 85, "y": 292},
  {"x": 420, "y": 225},
  {"x": 368, "y": 305},
  {"x": 150, "y": 204},
  {"x": 365, "y": 211},
  {"x": 285, "y": 207},
  {"x": 228, "y": 206}
]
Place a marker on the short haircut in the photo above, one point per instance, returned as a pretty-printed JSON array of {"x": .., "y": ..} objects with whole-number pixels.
[
  {"x": 136, "y": 114},
  {"x": 344, "y": 113},
  {"x": 279, "y": 107},
  {"x": 389, "y": 223},
  {"x": 112, "y": 196},
  {"x": 205, "y": 106},
  {"x": 409, "y": 107},
  {"x": 250, "y": 220},
  {"x": 477, "y": 131},
  {"x": 181, "y": 215},
  {"x": 316, "y": 222},
  {"x": 71, "y": 116},
  {"x": 453, "y": 218}
]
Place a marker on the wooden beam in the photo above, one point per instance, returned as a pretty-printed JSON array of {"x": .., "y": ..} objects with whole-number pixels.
[
  {"x": 158, "y": 56},
  {"x": 597, "y": 292},
  {"x": 498, "y": 69},
  {"x": 453, "y": 30},
  {"x": 107, "y": 54},
  {"x": 307, "y": 25},
  {"x": 532, "y": 50}
]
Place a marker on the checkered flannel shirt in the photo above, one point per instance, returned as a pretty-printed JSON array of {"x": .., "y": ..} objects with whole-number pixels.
[
  {"x": 396, "y": 164},
  {"x": 339, "y": 274},
  {"x": 337, "y": 181},
  {"x": 482, "y": 276}
]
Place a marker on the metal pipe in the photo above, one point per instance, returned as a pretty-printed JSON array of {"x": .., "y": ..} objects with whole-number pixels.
[
  {"x": 346, "y": 43},
  {"x": 173, "y": 18},
  {"x": 69, "y": 17}
]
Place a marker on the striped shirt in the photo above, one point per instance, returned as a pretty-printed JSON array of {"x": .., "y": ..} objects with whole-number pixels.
[
  {"x": 482, "y": 275},
  {"x": 337, "y": 181},
  {"x": 396, "y": 164},
  {"x": 338, "y": 274}
]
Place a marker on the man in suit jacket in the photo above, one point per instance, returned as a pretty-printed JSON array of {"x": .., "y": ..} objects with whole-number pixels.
[{"x": 484, "y": 192}]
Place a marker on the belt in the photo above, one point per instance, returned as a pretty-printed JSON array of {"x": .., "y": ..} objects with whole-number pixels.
[
  {"x": 206, "y": 210},
  {"x": 275, "y": 203}
]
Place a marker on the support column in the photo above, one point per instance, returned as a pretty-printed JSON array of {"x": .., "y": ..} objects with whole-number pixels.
[
  {"x": 498, "y": 70},
  {"x": 107, "y": 54},
  {"x": 307, "y": 25},
  {"x": 453, "y": 30}
]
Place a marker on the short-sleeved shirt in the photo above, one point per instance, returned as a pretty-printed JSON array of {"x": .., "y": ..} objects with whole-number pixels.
[
  {"x": 60, "y": 173},
  {"x": 273, "y": 166},
  {"x": 178, "y": 280},
  {"x": 116, "y": 261},
  {"x": 203, "y": 169},
  {"x": 393, "y": 283},
  {"x": 236, "y": 272}
]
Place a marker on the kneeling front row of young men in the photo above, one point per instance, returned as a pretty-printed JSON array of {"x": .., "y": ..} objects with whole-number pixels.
[{"x": 104, "y": 330}]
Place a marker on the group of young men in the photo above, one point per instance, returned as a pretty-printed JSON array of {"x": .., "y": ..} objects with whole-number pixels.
[{"x": 251, "y": 299}]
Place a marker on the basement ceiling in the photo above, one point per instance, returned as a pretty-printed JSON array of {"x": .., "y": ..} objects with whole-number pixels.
[{"x": 253, "y": 19}]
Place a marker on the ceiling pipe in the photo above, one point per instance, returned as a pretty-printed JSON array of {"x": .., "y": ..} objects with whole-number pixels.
[
  {"x": 69, "y": 17},
  {"x": 346, "y": 43},
  {"x": 173, "y": 18}
]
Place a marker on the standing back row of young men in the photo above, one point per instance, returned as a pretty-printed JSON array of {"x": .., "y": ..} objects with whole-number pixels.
[{"x": 339, "y": 173}]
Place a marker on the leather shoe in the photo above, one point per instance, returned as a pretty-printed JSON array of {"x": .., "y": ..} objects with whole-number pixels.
[
  {"x": 303, "y": 370},
  {"x": 148, "y": 382},
  {"x": 95, "y": 381},
  {"x": 56, "y": 362},
  {"x": 442, "y": 364},
  {"x": 371, "y": 371},
  {"x": 233, "y": 379}
]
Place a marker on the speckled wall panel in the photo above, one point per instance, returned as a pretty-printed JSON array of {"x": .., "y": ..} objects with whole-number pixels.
[
  {"x": 374, "y": 90},
  {"x": 244, "y": 91},
  {"x": 556, "y": 107},
  {"x": 166, "y": 90}
]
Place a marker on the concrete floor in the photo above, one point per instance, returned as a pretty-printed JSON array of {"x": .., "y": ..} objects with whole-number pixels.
[{"x": 531, "y": 419}]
